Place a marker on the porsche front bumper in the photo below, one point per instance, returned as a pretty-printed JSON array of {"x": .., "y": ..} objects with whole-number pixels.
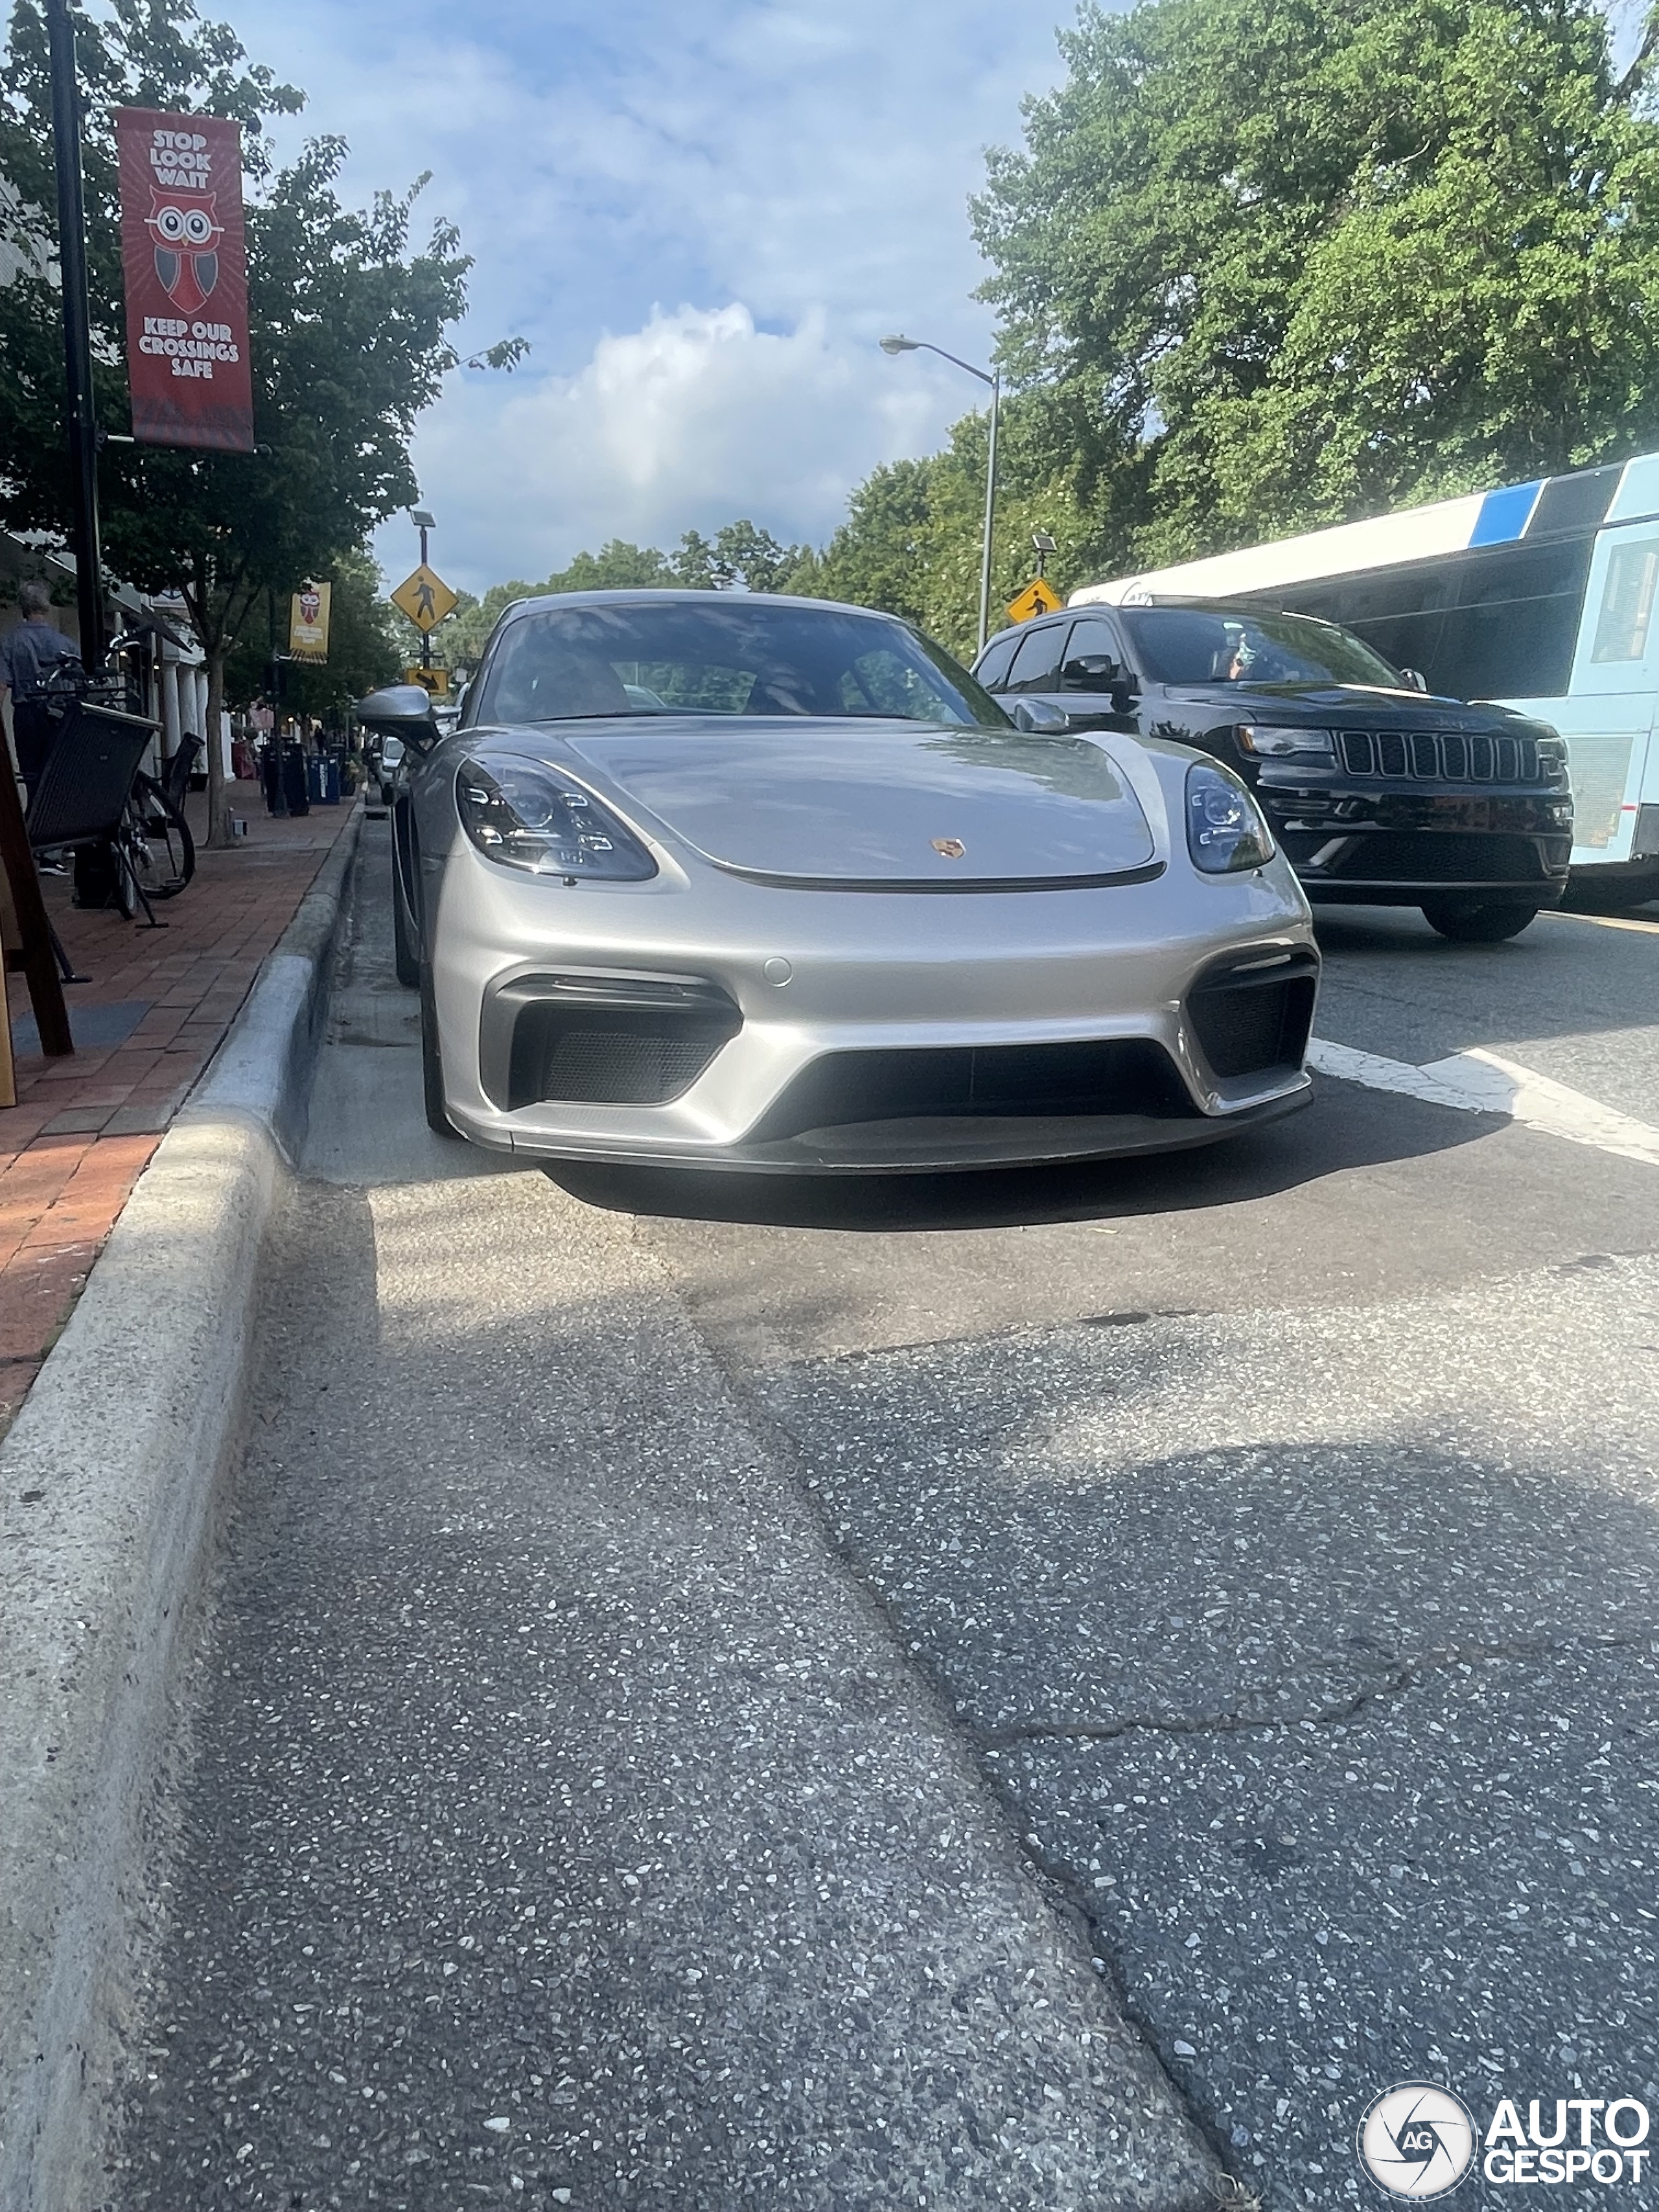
[{"x": 742, "y": 1026}]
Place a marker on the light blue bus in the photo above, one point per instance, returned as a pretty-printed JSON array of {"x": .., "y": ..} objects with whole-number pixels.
[{"x": 1539, "y": 595}]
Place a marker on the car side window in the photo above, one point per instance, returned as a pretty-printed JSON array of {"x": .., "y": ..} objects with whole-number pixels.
[
  {"x": 992, "y": 670},
  {"x": 1094, "y": 656},
  {"x": 1036, "y": 664}
]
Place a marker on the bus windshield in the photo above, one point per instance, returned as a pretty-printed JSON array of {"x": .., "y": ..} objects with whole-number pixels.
[{"x": 1226, "y": 645}]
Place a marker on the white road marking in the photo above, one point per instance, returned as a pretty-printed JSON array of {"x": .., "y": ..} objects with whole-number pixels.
[
  {"x": 1480, "y": 1082},
  {"x": 1611, "y": 921}
]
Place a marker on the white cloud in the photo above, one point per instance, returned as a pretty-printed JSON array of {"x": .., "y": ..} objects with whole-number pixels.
[
  {"x": 696, "y": 420},
  {"x": 812, "y": 163}
]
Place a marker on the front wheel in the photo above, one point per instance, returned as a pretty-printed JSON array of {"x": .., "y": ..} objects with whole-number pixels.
[
  {"x": 1478, "y": 925},
  {"x": 432, "y": 1069}
]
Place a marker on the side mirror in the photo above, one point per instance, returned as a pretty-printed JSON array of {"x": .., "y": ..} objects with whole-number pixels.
[
  {"x": 1091, "y": 671},
  {"x": 1039, "y": 719},
  {"x": 402, "y": 710},
  {"x": 1415, "y": 679}
]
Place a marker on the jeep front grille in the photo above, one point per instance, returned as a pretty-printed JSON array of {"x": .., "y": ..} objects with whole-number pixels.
[{"x": 1439, "y": 757}]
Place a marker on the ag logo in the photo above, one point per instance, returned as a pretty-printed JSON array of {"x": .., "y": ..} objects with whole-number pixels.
[{"x": 1416, "y": 2140}]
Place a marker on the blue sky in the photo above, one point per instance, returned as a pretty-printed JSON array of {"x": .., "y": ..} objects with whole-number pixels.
[{"x": 702, "y": 216}]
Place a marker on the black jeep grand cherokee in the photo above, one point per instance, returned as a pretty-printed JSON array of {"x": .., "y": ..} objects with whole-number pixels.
[{"x": 1379, "y": 795}]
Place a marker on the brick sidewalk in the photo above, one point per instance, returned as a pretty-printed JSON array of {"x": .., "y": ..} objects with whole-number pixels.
[{"x": 146, "y": 1024}]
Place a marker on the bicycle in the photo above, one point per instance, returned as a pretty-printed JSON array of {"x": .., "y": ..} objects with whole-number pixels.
[
  {"x": 149, "y": 854},
  {"x": 155, "y": 852}
]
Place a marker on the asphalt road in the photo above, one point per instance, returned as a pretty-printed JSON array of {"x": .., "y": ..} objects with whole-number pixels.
[{"x": 1018, "y": 1690}]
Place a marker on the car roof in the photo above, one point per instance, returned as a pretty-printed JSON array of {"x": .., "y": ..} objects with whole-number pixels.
[
  {"x": 653, "y": 594},
  {"x": 1246, "y": 609}
]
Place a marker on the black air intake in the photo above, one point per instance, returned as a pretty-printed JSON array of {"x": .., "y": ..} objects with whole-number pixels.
[
  {"x": 601, "y": 1039},
  {"x": 1252, "y": 1013}
]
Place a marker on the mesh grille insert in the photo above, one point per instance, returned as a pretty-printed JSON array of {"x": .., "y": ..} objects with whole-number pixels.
[
  {"x": 630, "y": 1057},
  {"x": 1248, "y": 1020},
  {"x": 1109, "y": 1076}
]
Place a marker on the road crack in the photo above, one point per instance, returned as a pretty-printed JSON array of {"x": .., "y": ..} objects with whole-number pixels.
[{"x": 1403, "y": 1674}]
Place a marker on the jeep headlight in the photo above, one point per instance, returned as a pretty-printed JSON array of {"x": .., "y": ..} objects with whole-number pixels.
[{"x": 1274, "y": 742}]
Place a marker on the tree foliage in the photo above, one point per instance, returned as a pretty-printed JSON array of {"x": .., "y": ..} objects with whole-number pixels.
[
  {"x": 362, "y": 653},
  {"x": 913, "y": 539},
  {"x": 348, "y": 330},
  {"x": 739, "y": 557},
  {"x": 1270, "y": 264}
]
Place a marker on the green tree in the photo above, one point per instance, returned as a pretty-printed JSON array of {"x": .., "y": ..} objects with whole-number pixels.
[
  {"x": 739, "y": 554},
  {"x": 913, "y": 536},
  {"x": 348, "y": 337},
  {"x": 1279, "y": 263},
  {"x": 362, "y": 653}
]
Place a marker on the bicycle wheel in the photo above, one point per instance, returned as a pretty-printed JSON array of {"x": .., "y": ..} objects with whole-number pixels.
[{"x": 162, "y": 847}]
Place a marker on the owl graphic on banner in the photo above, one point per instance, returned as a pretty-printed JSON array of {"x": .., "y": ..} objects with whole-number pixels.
[
  {"x": 307, "y": 622},
  {"x": 186, "y": 235}
]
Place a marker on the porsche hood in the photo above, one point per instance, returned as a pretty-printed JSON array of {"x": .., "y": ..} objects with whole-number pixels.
[{"x": 857, "y": 805}]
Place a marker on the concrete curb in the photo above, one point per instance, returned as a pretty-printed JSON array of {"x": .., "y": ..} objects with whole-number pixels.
[{"x": 110, "y": 1483}]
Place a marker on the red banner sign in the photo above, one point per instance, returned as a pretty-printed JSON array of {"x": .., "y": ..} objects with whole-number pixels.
[{"x": 185, "y": 262}]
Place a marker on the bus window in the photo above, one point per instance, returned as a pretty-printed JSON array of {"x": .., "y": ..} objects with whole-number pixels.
[
  {"x": 1621, "y": 628},
  {"x": 1498, "y": 624}
]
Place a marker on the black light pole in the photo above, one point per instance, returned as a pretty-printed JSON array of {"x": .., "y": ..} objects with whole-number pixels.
[
  {"x": 423, "y": 522},
  {"x": 82, "y": 418}
]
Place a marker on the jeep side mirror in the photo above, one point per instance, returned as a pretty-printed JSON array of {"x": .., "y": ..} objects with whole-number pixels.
[
  {"x": 1415, "y": 679},
  {"x": 1038, "y": 719},
  {"x": 1091, "y": 671}
]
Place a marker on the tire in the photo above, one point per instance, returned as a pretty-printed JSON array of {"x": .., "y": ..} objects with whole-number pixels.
[
  {"x": 127, "y": 878},
  {"x": 166, "y": 850},
  {"x": 406, "y": 952},
  {"x": 1588, "y": 892},
  {"x": 432, "y": 1069},
  {"x": 1479, "y": 925}
]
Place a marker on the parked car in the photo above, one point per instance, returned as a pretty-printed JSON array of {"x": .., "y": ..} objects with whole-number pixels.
[
  {"x": 387, "y": 758},
  {"x": 1379, "y": 795},
  {"x": 772, "y": 884}
]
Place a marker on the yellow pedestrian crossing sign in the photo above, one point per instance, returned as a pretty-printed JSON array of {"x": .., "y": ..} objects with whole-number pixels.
[
  {"x": 424, "y": 598},
  {"x": 1038, "y": 598}
]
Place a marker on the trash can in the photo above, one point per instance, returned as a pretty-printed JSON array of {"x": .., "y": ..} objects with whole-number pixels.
[
  {"x": 330, "y": 768},
  {"x": 294, "y": 782}
]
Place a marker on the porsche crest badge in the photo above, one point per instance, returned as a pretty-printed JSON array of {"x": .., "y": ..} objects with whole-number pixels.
[{"x": 948, "y": 848}]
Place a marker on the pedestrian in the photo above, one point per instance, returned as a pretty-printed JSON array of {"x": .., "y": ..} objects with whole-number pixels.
[{"x": 29, "y": 657}]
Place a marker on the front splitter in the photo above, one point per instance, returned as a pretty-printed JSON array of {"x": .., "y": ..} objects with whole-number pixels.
[{"x": 924, "y": 1146}]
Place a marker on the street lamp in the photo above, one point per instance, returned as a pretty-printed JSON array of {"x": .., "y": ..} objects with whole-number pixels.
[{"x": 898, "y": 344}]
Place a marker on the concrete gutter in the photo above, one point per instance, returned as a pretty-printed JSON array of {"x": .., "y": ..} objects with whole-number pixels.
[{"x": 110, "y": 1483}]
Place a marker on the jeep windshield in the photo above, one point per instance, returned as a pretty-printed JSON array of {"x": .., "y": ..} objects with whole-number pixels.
[{"x": 1226, "y": 645}]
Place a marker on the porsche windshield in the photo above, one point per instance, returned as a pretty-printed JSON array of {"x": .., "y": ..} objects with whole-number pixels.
[
  {"x": 1224, "y": 645},
  {"x": 727, "y": 657}
]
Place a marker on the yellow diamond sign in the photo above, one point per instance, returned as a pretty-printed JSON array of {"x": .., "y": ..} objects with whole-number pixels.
[
  {"x": 1037, "y": 599},
  {"x": 424, "y": 598}
]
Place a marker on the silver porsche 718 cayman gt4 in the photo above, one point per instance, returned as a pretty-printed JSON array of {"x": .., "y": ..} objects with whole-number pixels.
[{"x": 764, "y": 883}]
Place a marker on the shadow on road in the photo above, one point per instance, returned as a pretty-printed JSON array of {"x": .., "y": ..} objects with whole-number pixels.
[{"x": 1346, "y": 1128}]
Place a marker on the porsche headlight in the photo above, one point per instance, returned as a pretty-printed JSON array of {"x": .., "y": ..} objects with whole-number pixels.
[
  {"x": 1225, "y": 832},
  {"x": 527, "y": 816}
]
